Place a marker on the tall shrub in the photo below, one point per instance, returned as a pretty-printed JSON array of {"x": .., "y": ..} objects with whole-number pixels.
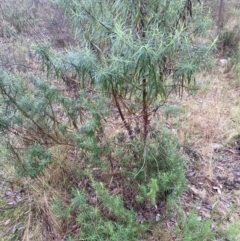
[{"x": 130, "y": 55}]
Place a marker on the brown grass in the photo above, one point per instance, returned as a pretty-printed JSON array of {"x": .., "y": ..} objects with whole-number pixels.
[
  {"x": 210, "y": 115},
  {"x": 209, "y": 125}
]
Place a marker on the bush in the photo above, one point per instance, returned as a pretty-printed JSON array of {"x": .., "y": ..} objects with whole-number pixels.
[
  {"x": 230, "y": 231},
  {"x": 191, "y": 227},
  {"x": 158, "y": 173},
  {"x": 128, "y": 57},
  {"x": 229, "y": 40}
]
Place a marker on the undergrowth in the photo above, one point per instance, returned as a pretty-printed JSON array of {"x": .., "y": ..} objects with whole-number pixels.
[{"x": 124, "y": 183}]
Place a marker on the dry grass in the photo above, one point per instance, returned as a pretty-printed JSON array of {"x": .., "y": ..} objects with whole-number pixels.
[
  {"x": 210, "y": 115},
  {"x": 55, "y": 184},
  {"x": 162, "y": 232},
  {"x": 34, "y": 214},
  {"x": 210, "y": 126}
]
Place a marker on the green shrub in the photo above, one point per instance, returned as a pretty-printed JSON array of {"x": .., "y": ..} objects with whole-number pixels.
[
  {"x": 170, "y": 110},
  {"x": 127, "y": 57},
  {"x": 228, "y": 41},
  {"x": 35, "y": 159},
  {"x": 191, "y": 227},
  {"x": 159, "y": 172},
  {"x": 161, "y": 169},
  {"x": 230, "y": 231}
]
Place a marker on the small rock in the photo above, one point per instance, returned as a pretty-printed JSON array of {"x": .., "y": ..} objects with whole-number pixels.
[
  {"x": 217, "y": 146},
  {"x": 158, "y": 216},
  {"x": 209, "y": 207},
  {"x": 237, "y": 172},
  {"x": 191, "y": 174},
  {"x": 7, "y": 222},
  {"x": 14, "y": 230},
  {"x": 224, "y": 62},
  {"x": 140, "y": 218},
  {"x": 8, "y": 193}
]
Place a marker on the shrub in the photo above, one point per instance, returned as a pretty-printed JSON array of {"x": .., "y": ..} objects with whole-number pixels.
[
  {"x": 191, "y": 227},
  {"x": 128, "y": 57},
  {"x": 229, "y": 40}
]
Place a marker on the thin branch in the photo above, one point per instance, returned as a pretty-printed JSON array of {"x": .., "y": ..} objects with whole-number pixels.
[
  {"x": 128, "y": 127},
  {"x": 145, "y": 110},
  {"x": 31, "y": 119}
]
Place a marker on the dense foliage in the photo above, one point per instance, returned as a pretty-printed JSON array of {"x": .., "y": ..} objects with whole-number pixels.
[{"x": 98, "y": 103}]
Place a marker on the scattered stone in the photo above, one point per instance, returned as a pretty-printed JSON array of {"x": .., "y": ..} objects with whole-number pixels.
[
  {"x": 7, "y": 222},
  {"x": 140, "y": 218},
  {"x": 217, "y": 146},
  {"x": 224, "y": 62}
]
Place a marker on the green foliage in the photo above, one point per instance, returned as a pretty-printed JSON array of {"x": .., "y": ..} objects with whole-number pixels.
[
  {"x": 230, "y": 231},
  {"x": 95, "y": 206},
  {"x": 122, "y": 224},
  {"x": 60, "y": 209},
  {"x": 131, "y": 50},
  {"x": 162, "y": 169},
  {"x": 35, "y": 159},
  {"x": 133, "y": 55},
  {"x": 170, "y": 110},
  {"x": 128, "y": 56},
  {"x": 192, "y": 228},
  {"x": 30, "y": 106},
  {"x": 149, "y": 191},
  {"x": 70, "y": 239},
  {"x": 114, "y": 204},
  {"x": 229, "y": 40}
]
